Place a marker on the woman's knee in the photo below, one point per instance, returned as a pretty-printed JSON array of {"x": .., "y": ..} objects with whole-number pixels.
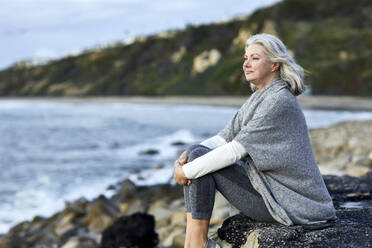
[{"x": 196, "y": 151}]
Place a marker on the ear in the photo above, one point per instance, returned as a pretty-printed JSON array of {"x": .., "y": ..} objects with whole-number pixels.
[{"x": 275, "y": 66}]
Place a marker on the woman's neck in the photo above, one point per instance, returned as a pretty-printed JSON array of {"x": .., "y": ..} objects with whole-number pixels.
[{"x": 267, "y": 81}]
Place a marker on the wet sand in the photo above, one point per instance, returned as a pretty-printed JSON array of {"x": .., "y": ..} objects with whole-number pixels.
[{"x": 306, "y": 101}]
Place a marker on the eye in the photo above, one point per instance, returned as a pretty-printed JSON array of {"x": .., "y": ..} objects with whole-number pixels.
[{"x": 255, "y": 58}]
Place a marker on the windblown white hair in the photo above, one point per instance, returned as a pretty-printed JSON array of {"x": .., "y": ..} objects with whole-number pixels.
[{"x": 290, "y": 71}]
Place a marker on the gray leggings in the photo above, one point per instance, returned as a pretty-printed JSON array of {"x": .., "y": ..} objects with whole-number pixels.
[{"x": 232, "y": 182}]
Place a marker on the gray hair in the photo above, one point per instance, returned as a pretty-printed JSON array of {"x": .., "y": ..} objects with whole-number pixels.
[{"x": 290, "y": 71}]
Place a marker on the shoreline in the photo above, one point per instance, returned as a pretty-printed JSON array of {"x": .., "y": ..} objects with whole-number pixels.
[
  {"x": 348, "y": 103},
  {"x": 80, "y": 222},
  {"x": 81, "y": 219}
]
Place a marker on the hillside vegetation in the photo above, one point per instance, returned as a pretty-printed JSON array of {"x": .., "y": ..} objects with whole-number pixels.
[{"x": 332, "y": 40}]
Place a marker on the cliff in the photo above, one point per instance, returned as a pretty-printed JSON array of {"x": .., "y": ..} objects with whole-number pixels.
[{"x": 332, "y": 40}]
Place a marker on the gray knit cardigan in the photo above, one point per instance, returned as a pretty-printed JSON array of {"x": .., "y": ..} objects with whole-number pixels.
[{"x": 281, "y": 164}]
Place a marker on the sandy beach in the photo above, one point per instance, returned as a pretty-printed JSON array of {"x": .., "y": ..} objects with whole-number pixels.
[{"x": 307, "y": 101}]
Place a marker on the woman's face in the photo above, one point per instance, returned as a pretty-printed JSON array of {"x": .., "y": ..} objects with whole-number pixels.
[{"x": 257, "y": 67}]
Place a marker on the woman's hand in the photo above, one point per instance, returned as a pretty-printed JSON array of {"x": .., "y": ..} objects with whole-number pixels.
[
  {"x": 183, "y": 158},
  {"x": 179, "y": 175}
]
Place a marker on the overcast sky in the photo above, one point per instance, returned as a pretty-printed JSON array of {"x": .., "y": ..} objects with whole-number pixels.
[{"x": 54, "y": 28}]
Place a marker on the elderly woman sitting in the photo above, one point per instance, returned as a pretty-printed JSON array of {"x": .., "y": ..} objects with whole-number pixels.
[{"x": 262, "y": 161}]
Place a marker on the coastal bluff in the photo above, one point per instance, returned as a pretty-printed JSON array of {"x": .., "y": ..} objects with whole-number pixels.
[
  {"x": 330, "y": 40},
  {"x": 85, "y": 224}
]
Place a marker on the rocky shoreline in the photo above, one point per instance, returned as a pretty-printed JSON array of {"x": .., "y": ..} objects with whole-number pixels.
[
  {"x": 346, "y": 146},
  {"x": 353, "y": 228},
  {"x": 82, "y": 223}
]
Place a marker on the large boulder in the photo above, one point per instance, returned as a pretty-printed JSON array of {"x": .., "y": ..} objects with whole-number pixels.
[
  {"x": 346, "y": 146},
  {"x": 353, "y": 228},
  {"x": 136, "y": 230},
  {"x": 100, "y": 214}
]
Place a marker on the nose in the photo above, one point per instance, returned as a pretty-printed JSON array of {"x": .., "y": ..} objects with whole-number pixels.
[{"x": 247, "y": 63}]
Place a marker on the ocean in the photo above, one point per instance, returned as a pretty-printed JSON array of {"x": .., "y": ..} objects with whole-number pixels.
[{"x": 52, "y": 152}]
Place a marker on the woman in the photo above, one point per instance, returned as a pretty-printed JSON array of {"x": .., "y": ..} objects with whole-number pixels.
[{"x": 262, "y": 161}]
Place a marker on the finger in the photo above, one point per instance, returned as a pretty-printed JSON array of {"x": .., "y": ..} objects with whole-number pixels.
[
  {"x": 183, "y": 155},
  {"x": 183, "y": 160},
  {"x": 186, "y": 158}
]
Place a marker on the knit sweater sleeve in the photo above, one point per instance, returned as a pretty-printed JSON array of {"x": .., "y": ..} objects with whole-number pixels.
[
  {"x": 232, "y": 128},
  {"x": 271, "y": 136}
]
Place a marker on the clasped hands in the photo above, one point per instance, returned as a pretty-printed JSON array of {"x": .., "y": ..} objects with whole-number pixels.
[{"x": 179, "y": 175}]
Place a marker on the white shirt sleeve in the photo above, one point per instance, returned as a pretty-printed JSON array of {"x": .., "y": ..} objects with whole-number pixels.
[
  {"x": 214, "y": 142},
  {"x": 214, "y": 160}
]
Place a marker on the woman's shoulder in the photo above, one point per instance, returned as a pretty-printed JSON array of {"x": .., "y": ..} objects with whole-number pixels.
[
  {"x": 279, "y": 101},
  {"x": 284, "y": 97}
]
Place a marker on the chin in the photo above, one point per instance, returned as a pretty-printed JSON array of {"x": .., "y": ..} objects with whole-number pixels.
[
  {"x": 252, "y": 81},
  {"x": 249, "y": 79}
]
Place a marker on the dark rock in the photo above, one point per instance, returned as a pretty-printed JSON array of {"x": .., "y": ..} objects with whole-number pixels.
[
  {"x": 207, "y": 135},
  {"x": 159, "y": 166},
  {"x": 353, "y": 228},
  {"x": 136, "y": 230},
  {"x": 100, "y": 214},
  {"x": 161, "y": 191},
  {"x": 235, "y": 229},
  {"x": 114, "y": 145},
  {"x": 135, "y": 171},
  {"x": 140, "y": 178},
  {"x": 127, "y": 189},
  {"x": 127, "y": 184},
  {"x": 178, "y": 143},
  {"x": 349, "y": 189},
  {"x": 147, "y": 195},
  {"x": 78, "y": 206},
  {"x": 149, "y": 152},
  {"x": 111, "y": 187}
]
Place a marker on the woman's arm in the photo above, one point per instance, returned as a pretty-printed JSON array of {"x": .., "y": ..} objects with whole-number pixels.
[
  {"x": 211, "y": 143},
  {"x": 179, "y": 175},
  {"x": 214, "y": 160},
  {"x": 214, "y": 142}
]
